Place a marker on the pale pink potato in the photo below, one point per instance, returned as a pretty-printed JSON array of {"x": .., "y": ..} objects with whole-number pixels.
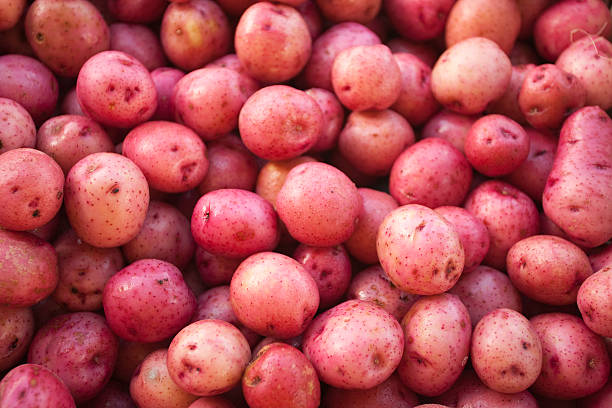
[
  {"x": 148, "y": 301},
  {"x": 548, "y": 95},
  {"x": 138, "y": 41},
  {"x": 66, "y": 33},
  {"x": 437, "y": 334},
  {"x": 130, "y": 355},
  {"x": 530, "y": 11},
  {"x": 339, "y": 37},
  {"x": 590, "y": 60},
  {"x": 524, "y": 53},
  {"x": 32, "y": 385},
  {"x": 578, "y": 186},
  {"x": 18, "y": 128},
  {"x": 106, "y": 201},
  {"x": 375, "y": 205},
  {"x": 389, "y": 394},
  {"x": 16, "y": 331},
  {"x": 165, "y": 235},
  {"x": 137, "y": 11},
  {"x": 211, "y": 402},
  {"x": 601, "y": 257},
  {"x": 10, "y": 13},
  {"x": 152, "y": 387},
  {"x": 472, "y": 233},
  {"x": 165, "y": 79},
  {"x": 312, "y": 16},
  {"x": 508, "y": 104},
  {"x": 318, "y": 204},
  {"x": 114, "y": 395},
  {"x": 531, "y": 175},
  {"x": 567, "y": 21},
  {"x": 83, "y": 272},
  {"x": 594, "y": 302},
  {"x": 372, "y": 140},
  {"x": 470, "y": 74},
  {"x": 29, "y": 83},
  {"x": 480, "y": 396},
  {"x": 234, "y": 223},
  {"x": 272, "y": 176},
  {"x": 416, "y": 238},
  {"x": 485, "y": 289},
  {"x": 499, "y": 21},
  {"x": 600, "y": 399},
  {"x": 450, "y": 126},
  {"x": 362, "y": 11},
  {"x": 330, "y": 267},
  {"x": 32, "y": 187},
  {"x": 354, "y": 345},
  {"x": 281, "y": 376},
  {"x": 69, "y": 138},
  {"x": 509, "y": 215},
  {"x": 333, "y": 118},
  {"x": 427, "y": 52},
  {"x": 366, "y": 77},
  {"x": 274, "y": 295},
  {"x": 115, "y": 89},
  {"x": 80, "y": 349},
  {"x": 215, "y": 270},
  {"x": 432, "y": 173},
  {"x": 272, "y": 42},
  {"x": 418, "y": 20},
  {"x": 574, "y": 359}
]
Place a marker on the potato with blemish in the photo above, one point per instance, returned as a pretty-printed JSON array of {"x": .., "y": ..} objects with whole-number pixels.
[{"x": 32, "y": 385}]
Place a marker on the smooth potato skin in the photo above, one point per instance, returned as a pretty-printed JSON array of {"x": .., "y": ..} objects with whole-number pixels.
[
  {"x": 165, "y": 79},
  {"x": 390, "y": 394},
  {"x": 139, "y": 41},
  {"x": 136, "y": 11},
  {"x": 480, "y": 396},
  {"x": 423, "y": 25},
  {"x": 272, "y": 175},
  {"x": 32, "y": 385},
  {"x": 333, "y": 118},
  {"x": 211, "y": 402},
  {"x": 16, "y": 331},
  {"x": 595, "y": 303},
  {"x": 508, "y": 104},
  {"x": 576, "y": 196},
  {"x": 449, "y": 125},
  {"x": 10, "y": 13},
  {"x": 18, "y": 128},
  {"x": 600, "y": 399},
  {"x": 348, "y": 10}
]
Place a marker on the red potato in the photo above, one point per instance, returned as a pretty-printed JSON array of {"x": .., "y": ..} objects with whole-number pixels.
[
  {"x": 470, "y": 74},
  {"x": 567, "y": 21},
  {"x": 354, "y": 345},
  {"x": 312, "y": 16},
  {"x": 578, "y": 187},
  {"x": 138, "y": 41},
  {"x": 137, "y": 11},
  {"x": 574, "y": 359},
  {"x": 295, "y": 342},
  {"x": 428, "y": 53},
  {"x": 333, "y": 118},
  {"x": 281, "y": 377},
  {"x": 272, "y": 176},
  {"x": 272, "y": 41},
  {"x": 130, "y": 355},
  {"x": 113, "y": 395},
  {"x": 524, "y": 53},
  {"x": 215, "y": 270},
  {"x": 106, "y": 201},
  {"x": 211, "y": 402},
  {"x": 418, "y": 20},
  {"x": 600, "y": 399},
  {"x": 348, "y": 10},
  {"x": 509, "y": 215},
  {"x": 29, "y": 83},
  {"x": 389, "y": 394},
  {"x": 601, "y": 257},
  {"x": 32, "y": 385},
  {"x": 10, "y": 13},
  {"x": 366, "y": 77},
  {"x": 450, "y": 126},
  {"x": 508, "y": 104},
  {"x": 14, "y": 41},
  {"x": 360, "y": 179},
  {"x": 70, "y": 103},
  {"x": 274, "y": 295},
  {"x": 432, "y": 173},
  {"x": 165, "y": 79},
  {"x": 235, "y": 8},
  {"x": 231, "y": 61},
  {"x": 594, "y": 302},
  {"x": 18, "y": 128},
  {"x": 480, "y": 396},
  {"x": 32, "y": 186},
  {"x": 319, "y": 204},
  {"x": 16, "y": 331},
  {"x": 530, "y": 11},
  {"x": 80, "y": 349}
]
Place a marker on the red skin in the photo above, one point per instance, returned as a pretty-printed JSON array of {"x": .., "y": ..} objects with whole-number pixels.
[
  {"x": 425, "y": 24},
  {"x": 215, "y": 270},
  {"x": 347, "y": 10},
  {"x": 234, "y": 8},
  {"x": 138, "y": 11},
  {"x": 312, "y": 16},
  {"x": 594, "y": 302},
  {"x": 449, "y": 125},
  {"x": 530, "y": 11},
  {"x": 130, "y": 355},
  {"x": 390, "y": 394},
  {"x": 138, "y": 41},
  {"x": 113, "y": 395},
  {"x": 165, "y": 79},
  {"x": 523, "y": 54},
  {"x": 481, "y": 396},
  {"x": 16, "y": 331},
  {"x": 280, "y": 376},
  {"x": 137, "y": 304},
  {"x": 232, "y": 62},
  {"x": 32, "y": 385},
  {"x": 272, "y": 176},
  {"x": 10, "y": 14},
  {"x": 18, "y": 128},
  {"x": 333, "y": 118},
  {"x": 600, "y": 399},
  {"x": 425, "y": 52},
  {"x": 508, "y": 104},
  {"x": 601, "y": 257},
  {"x": 211, "y": 402}
]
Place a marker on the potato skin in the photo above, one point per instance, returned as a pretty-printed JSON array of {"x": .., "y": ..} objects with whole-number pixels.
[
  {"x": 595, "y": 303},
  {"x": 425, "y": 24},
  {"x": 18, "y": 128},
  {"x": 16, "y": 332},
  {"x": 32, "y": 385},
  {"x": 139, "y": 41},
  {"x": 390, "y": 394},
  {"x": 10, "y": 13},
  {"x": 449, "y": 125},
  {"x": 576, "y": 196}
]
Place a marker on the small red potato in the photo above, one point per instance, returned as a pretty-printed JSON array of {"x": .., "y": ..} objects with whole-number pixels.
[
  {"x": 600, "y": 399},
  {"x": 208, "y": 357},
  {"x": 418, "y": 20},
  {"x": 523, "y": 53},
  {"x": 272, "y": 175},
  {"x": 131, "y": 355},
  {"x": 333, "y": 118},
  {"x": 311, "y": 14},
  {"x": 354, "y": 345},
  {"x": 10, "y": 13},
  {"x": 138, "y": 41},
  {"x": 481, "y": 396},
  {"x": 450, "y": 126},
  {"x": 18, "y": 128},
  {"x": 32, "y": 385},
  {"x": 601, "y": 257},
  {"x": 530, "y": 11},
  {"x": 215, "y": 270},
  {"x": 390, "y": 394},
  {"x": 16, "y": 331},
  {"x": 136, "y": 11},
  {"x": 508, "y": 104},
  {"x": 281, "y": 377},
  {"x": 347, "y": 10},
  {"x": 574, "y": 359},
  {"x": 274, "y": 295},
  {"x": 594, "y": 302},
  {"x": 113, "y": 395},
  {"x": 70, "y": 104},
  {"x": 428, "y": 53},
  {"x": 211, "y": 402},
  {"x": 165, "y": 79}
]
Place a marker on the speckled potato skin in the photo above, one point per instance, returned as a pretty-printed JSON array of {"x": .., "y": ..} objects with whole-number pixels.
[
  {"x": 18, "y": 128},
  {"x": 66, "y": 33},
  {"x": 348, "y": 10},
  {"x": 115, "y": 89},
  {"x": 106, "y": 200},
  {"x": 366, "y": 77},
  {"x": 10, "y": 13},
  {"x": 419, "y": 250},
  {"x": 319, "y": 204},
  {"x": 333, "y": 118},
  {"x": 437, "y": 333},
  {"x": 548, "y": 269},
  {"x": 83, "y": 271},
  {"x": 211, "y": 402},
  {"x": 594, "y": 302},
  {"x": 16, "y": 331},
  {"x": 32, "y": 385},
  {"x": 80, "y": 349},
  {"x": 449, "y": 125},
  {"x": 600, "y": 399},
  {"x": 272, "y": 42},
  {"x": 28, "y": 269},
  {"x": 354, "y": 345},
  {"x": 480, "y": 396},
  {"x": 32, "y": 188},
  {"x": 389, "y": 394},
  {"x": 601, "y": 257},
  {"x": 423, "y": 25},
  {"x": 508, "y": 104},
  {"x": 470, "y": 74},
  {"x": 274, "y": 295},
  {"x": 280, "y": 376},
  {"x": 272, "y": 175},
  {"x": 231, "y": 61},
  {"x": 136, "y": 11},
  {"x": 509, "y": 215},
  {"x": 208, "y": 357},
  {"x": 138, "y": 41},
  {"x": 574, "y": 359},
  {"x": 578, "y": 186},
  {"x": 215, "y": 270},
  {"x": 148, "y": 301},
  {"x": 165, "y": 79},
  {"x": 280, "y": 122},
  {"x": 152, "y": 387}
]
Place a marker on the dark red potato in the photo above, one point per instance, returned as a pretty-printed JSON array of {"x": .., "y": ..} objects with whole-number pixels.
[
  {"x": 390, "y": 394},
  {"x": 215, "y": 270},
  {"x": 10, "y": 13},
  {"x": 232, "y": 62},
  {"x": 32, "y": 385},
  {"x": 138, "y": 41},
  {"x": 234, "y": 8},
  {"x": 418, "y": 20},
  {"x": 524, "y": 53},
  {"x": 18, "y": 128},
  {"x": 450, "y": 126},
  {"x": 136, "y": 11},
  {"x": 16, "y": 332},
  {"x": 165, "y": 79},
  {"x": 131, "y": 355},
  {"x": 600, "y": 399}
]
